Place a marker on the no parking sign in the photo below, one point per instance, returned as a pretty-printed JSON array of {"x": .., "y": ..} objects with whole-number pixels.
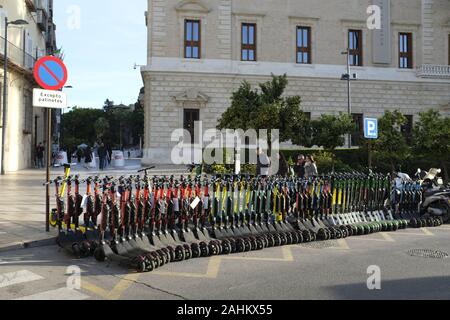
[{"x": 51, "y": 74}]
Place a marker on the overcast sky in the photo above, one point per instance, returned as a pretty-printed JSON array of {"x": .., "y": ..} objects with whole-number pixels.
[{"x": 102, "y": 40}]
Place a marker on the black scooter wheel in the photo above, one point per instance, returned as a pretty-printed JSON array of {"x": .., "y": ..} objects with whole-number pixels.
[
  {"x": 171, "y": 254},
  {"x": 259, "y": 244},
  {"x": 179, "y": 253},
  {"x": 276, "y": 240},
  {"x": 214, "y": 249},
  {"x": 240, "y": 246},
  {"x": 204, "y": 250},
  {"x": 141, "y": 266},
  {"x": 99, "y": 254},
  {"x": 154, "y": 256},
  {"x": 247, "y": 245},
  {"x": 226, "y": 247},
  {"x": 149, "y": 267},
  {"x": 196, "y": 253},
  {"x": 187, "y": 252},
  {"x": 76, "y": 249}
]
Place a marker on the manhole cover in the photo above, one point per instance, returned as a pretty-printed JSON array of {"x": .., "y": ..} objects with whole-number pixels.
[
  {"x": 320, "y": 244},
  {"x": 428, "y": 253}
]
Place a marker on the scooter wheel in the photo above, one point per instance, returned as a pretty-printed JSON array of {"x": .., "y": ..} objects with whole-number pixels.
[
  {"x": 259, "y": 244},
  {"x": 226, "y": 247},
  {"x": 179, "y": 253},
  {"x": 76, "y": 250},
  {"x": 240, "y": 247},
  {"x": 277, "y": 240},
  {"x": 294, "y": 237},
  {"x": 322, "y": 235},
  {"x": 149, "y": 267},
  {"x": 306, "y": 236},
  {"x": 141, "y": 266},
  {"x": 196, "y": 253},
  {"x": 171, "y": 254},
  {"x": 300, "y": 237},
  {"x": 270, "y": 241},
  {"x": 214, "y": 249},
  {"x": 99, "y": 254},
  {"x": 187, "y": 252},
  {"x": 247, "y": 245},
  {"x": 204, "y": 250}
]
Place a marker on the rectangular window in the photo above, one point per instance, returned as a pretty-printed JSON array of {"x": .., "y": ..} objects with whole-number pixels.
[
  {"x": 355, "y": 45},
  {"x": 248, "y": 42},
  {"x": 405, "y": 50},
  {"x": 28, "y": 112},
  {"x": 189, "y": 119},
  {"x": 358, "y": 133},
  {"x": 303, "y": 45},
  {"x": 407, "y": 128},
  {"x": 192, "y": 42}
]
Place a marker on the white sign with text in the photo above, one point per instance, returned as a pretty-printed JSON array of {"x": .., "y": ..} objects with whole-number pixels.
[{"x": 49, "y": 99}]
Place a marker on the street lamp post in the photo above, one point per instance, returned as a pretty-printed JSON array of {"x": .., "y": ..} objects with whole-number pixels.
[
  {"x": 5, "y": 88},
  {"x": 347, "y": 77}
]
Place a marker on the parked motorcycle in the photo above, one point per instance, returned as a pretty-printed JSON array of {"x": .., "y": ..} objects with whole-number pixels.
[{"x": 435, "y": 200}]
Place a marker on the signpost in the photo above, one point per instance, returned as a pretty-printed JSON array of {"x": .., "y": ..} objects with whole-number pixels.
[
  {"x": 371, "y": 133},
  {"x": 51, "y": 74}
]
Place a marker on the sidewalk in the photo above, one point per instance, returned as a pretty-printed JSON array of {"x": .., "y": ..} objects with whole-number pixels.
[{"x": 22, "y": 202}]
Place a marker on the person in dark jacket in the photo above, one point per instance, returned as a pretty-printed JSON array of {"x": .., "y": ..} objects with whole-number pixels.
[
  {"x": 299, "y": 167},
  {"x": 283, "y": 165},
  {"x": 87, "y": 156},
  {"x": 102, "y": 155}
]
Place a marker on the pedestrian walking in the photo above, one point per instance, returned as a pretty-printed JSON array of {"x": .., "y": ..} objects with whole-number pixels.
[
  {"x": 87, "y": 157},
  {"x": 102, "y": 155},
  {"x": 79, "y": 154},
  {"x": 299, "y": 167},
  {"x": 109, "y": 154},
  {"x": 310, "y": 167},
  {"x": 263, "y": 164},
  {"x": 40, "y": 150},
  {"x": 283, "y": 166}
]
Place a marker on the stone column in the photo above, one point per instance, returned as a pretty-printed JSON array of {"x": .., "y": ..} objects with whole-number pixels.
[
  {"x": 427, "y": 32},
  {"x": 224, "y": 32}
]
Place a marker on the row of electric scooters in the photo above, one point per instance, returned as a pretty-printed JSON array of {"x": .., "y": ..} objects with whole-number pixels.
[{"x": 145, "y": 222}]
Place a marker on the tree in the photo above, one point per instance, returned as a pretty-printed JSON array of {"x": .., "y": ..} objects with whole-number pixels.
[
  {"x": 431, "y": 137},
  {"x": 391, "y": 146},
  {"x": 101, "y": 127},
  {"x": 266, "y": 108},
  {"x": 77, "y": 126},
  {"x": 328, "y": 131}
]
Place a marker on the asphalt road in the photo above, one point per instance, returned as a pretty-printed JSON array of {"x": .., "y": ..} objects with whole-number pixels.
[{"x": 322, "y": 270}]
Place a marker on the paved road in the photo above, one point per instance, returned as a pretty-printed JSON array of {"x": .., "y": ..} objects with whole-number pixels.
[{"x": 322, "y": 270}]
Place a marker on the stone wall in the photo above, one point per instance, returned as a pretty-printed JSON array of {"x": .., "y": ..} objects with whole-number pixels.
[{"x": 319, "y": 96}]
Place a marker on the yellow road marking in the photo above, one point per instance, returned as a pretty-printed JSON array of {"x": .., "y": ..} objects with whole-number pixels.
[
  {"x": 211, "y": 273},
  {"x": 427, "y": 232},
  {"x": 387, "y": 237},
  {"x": 343, "y": 244},
  {"x": 287, "y": 256},
  {"x": 116, "y": 292}
]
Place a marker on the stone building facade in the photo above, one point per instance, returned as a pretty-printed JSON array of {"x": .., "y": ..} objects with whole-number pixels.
[
  {"x": 25, "y": 125},
  {"x": 200, "y": 51}
]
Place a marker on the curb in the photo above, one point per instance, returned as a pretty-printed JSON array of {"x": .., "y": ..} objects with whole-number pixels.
[{"x": 29, "y": 244}]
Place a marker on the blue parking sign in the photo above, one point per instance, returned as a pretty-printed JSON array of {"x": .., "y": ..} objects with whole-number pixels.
[{"x": 370, "y": 128}]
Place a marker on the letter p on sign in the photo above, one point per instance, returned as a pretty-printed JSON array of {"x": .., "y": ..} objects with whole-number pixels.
[{"x": 370, "y": 128}]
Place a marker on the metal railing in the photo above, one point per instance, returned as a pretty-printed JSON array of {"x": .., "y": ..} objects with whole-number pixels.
[
  {"x": 434, "y": 71},
  {"x": 17, "y": 55}
]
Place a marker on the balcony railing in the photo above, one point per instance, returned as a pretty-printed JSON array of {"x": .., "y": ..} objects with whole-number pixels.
[
  {"x": 434, "y": 71},
  {"x": 18, "y": 56}
]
